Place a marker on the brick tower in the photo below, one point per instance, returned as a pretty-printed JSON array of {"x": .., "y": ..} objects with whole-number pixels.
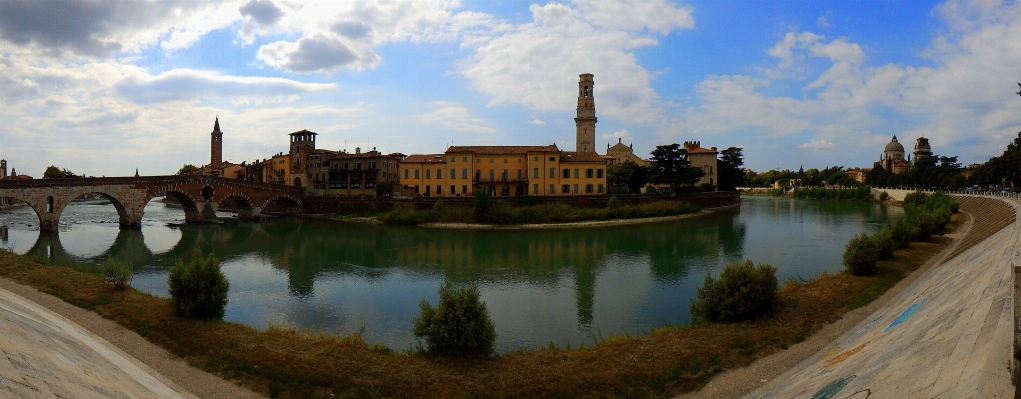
[
  {"x": 586, "y": 121},
  {"x": 216, "y": 146}
]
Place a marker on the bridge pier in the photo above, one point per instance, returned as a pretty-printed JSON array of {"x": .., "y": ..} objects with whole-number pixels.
[
  {"x": 250, "y": 214},
  {"x": 205, "y": 212},
  {"x": 49, "y": 222}
]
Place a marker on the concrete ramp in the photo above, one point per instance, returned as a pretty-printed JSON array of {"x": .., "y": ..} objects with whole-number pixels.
[{"x": 948, "y": 335}]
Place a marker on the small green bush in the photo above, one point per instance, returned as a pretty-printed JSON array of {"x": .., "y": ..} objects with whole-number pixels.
[
  {"x": 925, "y": 222},
  {"x": 884, "y": 243},
  {"x": 459, "y": 325},
  {"x": 198, "y": 289},
  {"x": 901, "y": 233},
  {"x": 861, "y": 255},
  {"x": 915, "y": 199},
  {"x": 613, "y": 203},
  {"x": 482, "y": 205},
  {"x": 743, "y": 291},
  {"x": 117, "y": 273},
  {"x": 883, "y": 196}
]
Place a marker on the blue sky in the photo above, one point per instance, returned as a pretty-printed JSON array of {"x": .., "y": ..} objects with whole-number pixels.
[{"x": 104, "y": 87}]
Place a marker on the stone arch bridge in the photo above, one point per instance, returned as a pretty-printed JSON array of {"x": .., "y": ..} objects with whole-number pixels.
[{"x": 200, "y": 196}]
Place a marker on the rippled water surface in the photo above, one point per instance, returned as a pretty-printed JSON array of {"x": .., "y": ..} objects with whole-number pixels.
[{"x": 568, "y": 286}]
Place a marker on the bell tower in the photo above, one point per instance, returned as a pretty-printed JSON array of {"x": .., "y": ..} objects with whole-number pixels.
[
  {"x": 216, "y": 146},
  {"x": 586, "y": 121}
]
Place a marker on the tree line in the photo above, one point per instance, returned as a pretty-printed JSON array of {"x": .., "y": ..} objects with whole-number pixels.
[{"x": 669, "y": 165}]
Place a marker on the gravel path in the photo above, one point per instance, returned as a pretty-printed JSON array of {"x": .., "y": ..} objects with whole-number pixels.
[{"x": 199, "y": 383}]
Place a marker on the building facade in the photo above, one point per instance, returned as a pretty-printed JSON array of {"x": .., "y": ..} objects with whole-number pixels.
[
  {"x": 504, "y": 171},
  {"x": 621, "y": 153},
  {"x": 705, "y": 159},
  {"x": 893, "y": 157},
  {"x": 346, "y": 174}
]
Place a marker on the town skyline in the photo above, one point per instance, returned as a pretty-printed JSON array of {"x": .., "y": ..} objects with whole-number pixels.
[{"x": 139, "y": 86}]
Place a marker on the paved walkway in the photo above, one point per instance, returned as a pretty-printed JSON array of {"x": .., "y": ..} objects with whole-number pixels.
[
  {"x": 948, "y": 335},
  {"x": 43, "y": 355}
]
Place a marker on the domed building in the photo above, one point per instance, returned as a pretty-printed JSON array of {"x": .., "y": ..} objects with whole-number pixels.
[{"x": 893, "y": 157}]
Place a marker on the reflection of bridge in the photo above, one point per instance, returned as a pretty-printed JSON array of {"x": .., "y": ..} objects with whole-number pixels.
[{"x": 200, "y": 196}]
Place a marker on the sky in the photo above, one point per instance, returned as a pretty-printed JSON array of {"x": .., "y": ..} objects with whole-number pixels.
[{"x": 104, "y": 87}]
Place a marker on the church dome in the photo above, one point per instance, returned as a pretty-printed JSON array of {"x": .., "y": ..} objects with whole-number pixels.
[{"x": 894, "y": 146}]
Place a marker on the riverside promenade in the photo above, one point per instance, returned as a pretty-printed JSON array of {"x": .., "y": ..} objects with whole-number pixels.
[
  {"x": 949, "y": 334},
  {"x": 44, "y": 355}
]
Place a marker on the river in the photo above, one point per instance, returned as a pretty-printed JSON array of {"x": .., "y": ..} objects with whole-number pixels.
[{"x": 565, "y": 286}]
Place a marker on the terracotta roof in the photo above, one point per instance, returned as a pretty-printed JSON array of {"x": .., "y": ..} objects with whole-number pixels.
[
  {"x": 701, "y": 150},
  {"x": 303, "y": 131},
  {"x": 501, "y": 149},
  {"x": 572, "y": 156},
  {"x": 424, "y": 158},
  {"x": 348, "y": 155}
]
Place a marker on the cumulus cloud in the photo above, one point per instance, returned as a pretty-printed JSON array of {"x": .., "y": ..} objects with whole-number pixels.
[
  {"x": 537, "y": 63},
  {"x": 320, "y": 53},
  {"x": 817, "y": 145},
  {"x": 537, "y": 121},
  {"x": 621, "y": 135},
  {"x": 258, "y": 13},
  {"x": 191, "y": 85},
  {"x": 455, "y": 117},
  {"x": 105, "y": 28}
]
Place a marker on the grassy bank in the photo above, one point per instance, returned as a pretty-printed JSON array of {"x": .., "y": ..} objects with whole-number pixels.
[
  {"x": 503, "y": 213},
  {"x": 294, "y": 364}
]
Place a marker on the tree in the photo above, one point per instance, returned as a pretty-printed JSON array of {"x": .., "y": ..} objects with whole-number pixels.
[
  {"x": 618, "y": 174},
  {"x": 52, "y": 172},
  {"x": 188, "y": 169},
  {"x": 731, "y": 176},
  {"x": 671, "y": 167},
  {"x": 639, "y": 178}
]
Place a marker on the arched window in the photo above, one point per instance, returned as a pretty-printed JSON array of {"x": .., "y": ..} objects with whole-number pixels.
[{"x": 586, "y": 92}]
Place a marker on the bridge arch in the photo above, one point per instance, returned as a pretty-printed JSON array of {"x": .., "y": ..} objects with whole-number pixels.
[{"x": 283, "y": 203}]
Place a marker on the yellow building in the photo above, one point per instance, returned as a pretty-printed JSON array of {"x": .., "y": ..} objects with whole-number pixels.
[
  {"x": 705, "y": 159},
  {"x": 504, "y": 171},
  {"x": 279, "y": 170}
]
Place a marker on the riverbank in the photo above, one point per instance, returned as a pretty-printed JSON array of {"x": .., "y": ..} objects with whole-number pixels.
[{"x": 290, "y": 363}]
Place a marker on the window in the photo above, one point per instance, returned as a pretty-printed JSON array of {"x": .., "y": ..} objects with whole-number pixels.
[
  {"x": 358, "y": 166},
  {"x": 49, "y": 204},
  {"x": 453, "y": 190},
  {"x": 519, "y": 160},
  {"x": 599, "y": 173},
  {"x": 519, "y": 174},
  {"x": 452, "y": 159},
  {"x": 490, "y": 175},
  {"x": 536, "y": 158},
  {"x": 464, "y": 159},
  {"x": 490, "y": 160},
  {"x": 477, "y": 160},
  {"x": 566, "y": 189},
  {"x": 372, "y": 165},
  {"x": 551, "y": 190},
  {"x": 405, "y": 173},
  {"x": 439, "y": 173},
  {"x": 552, "y": 173},
  {"x": 464, "y": 189},
  {"x": 428, "y": 173},
  {"x": 576, "y": 174},
  {"x": 588, "y": 188},
  {"x": 552, "y": 158},
  {"x": 588, "y": 173},
  {"x": 535, "y": 173},
  {"x": 439, "y": 190},
  {"x": 345, "y": 166},
  {"x": 464, "y": 173},
  {"x": 600, "y": 188},
  {"x": 505, "y": 160},
  {"x": 567, "y": 173},
  {"x": 416, "y": 175},
  {"x": 535, "y": 189},
  {"x": 453, "y": 175},
  {"x": 416, "y": 186}
]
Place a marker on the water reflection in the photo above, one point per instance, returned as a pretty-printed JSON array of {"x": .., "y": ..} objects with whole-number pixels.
[{"x": 563, "y": 286}]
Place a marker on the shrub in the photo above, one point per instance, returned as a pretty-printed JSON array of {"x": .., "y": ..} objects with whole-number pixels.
[
  {"x": 117, "y": 273},
  {"x": 613, "y": 203},
  {"x": 198, "y": 289},
  {"x": 901, "y": 233},
  {"x": 884, "y": 244},
  {"x": 914, "y": 199},
  {"x": 459, "y": 325},
  {"x": 925, "y": 222},
  {"x": 883, "y": 196},
  {"x": 861, "y": 255},
  {"x": 438, "y": 205},
  {"x": 743, "y": 291},
  {"x": 482, "y": 205}
]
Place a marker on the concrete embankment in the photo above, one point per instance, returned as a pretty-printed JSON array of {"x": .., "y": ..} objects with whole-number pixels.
[{"x": 949, "y": 334}]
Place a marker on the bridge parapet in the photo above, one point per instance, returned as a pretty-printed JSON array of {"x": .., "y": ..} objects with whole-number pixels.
[{"x": 200, "y": 196}]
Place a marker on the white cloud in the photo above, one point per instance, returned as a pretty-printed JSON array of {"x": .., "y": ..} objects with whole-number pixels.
[
  {"x": 537, "y": 121},
  {"x": 817, "y": 145},
  {"x": 455, "y": 117},
  {"x": 621, "y": 135},
  {"x": 537, "y": 63}
]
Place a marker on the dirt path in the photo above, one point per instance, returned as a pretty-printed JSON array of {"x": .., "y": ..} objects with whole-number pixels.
[{"x": 198, "y": 382}]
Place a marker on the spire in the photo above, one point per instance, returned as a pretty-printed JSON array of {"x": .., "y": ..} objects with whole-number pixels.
[
  {"x": 136, "y": 172},
  {"x": 216, "y": 125}
]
